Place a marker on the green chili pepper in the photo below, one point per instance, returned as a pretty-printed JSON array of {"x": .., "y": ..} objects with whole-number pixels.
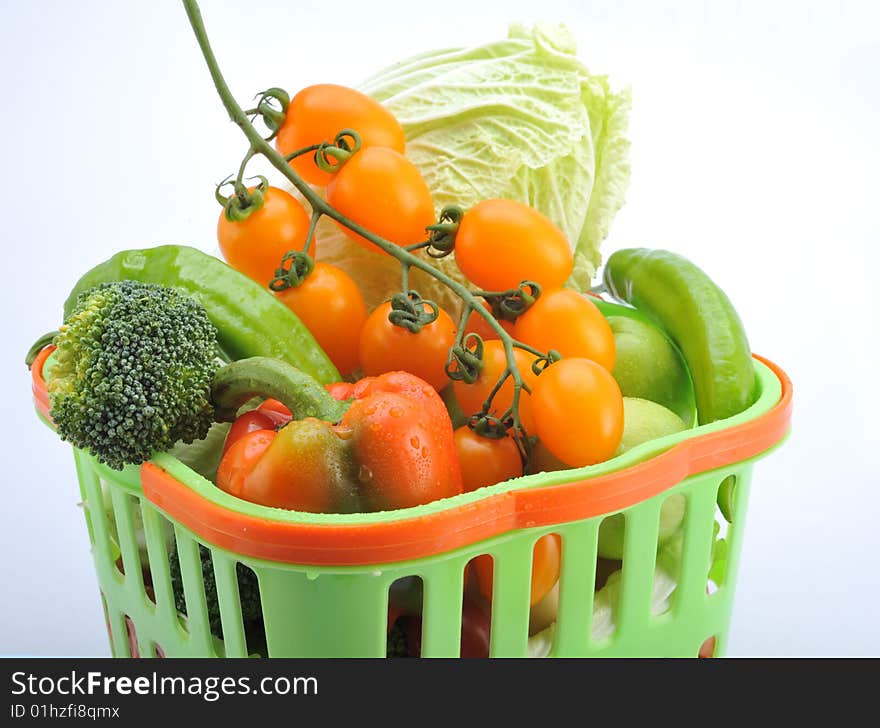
[
  {"x": 699, "y": 318},
  {"x": 250, "y": 320}
]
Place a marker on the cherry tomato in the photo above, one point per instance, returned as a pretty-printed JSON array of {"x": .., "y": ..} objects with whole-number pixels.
[
  {"x": 382, "y": 190},
  {"x": 500, "y": 243},
  {"x": 330, "y": 304},
  {"x": 276, "y": 410},
  {"x": 569, "y": 322},
  {"x": 248, "y": 422},
  {"x": 578, "y": 411},
  {"x": 486, "y": 461},
  {"x": 471, "y": 396},
  {"x": 340, "y": 390},
  {"x": 385, "y": 347},
  {"x": 255, "y": 246},
  {"x": 477, "y": 325},
  {"x": 318, "y": 113},
  {"x": 238, "y": 460},
  {"x": 545, "y": 568},
  {"x": 476, "y": 629},
  {"x": 541, "y": 460}
]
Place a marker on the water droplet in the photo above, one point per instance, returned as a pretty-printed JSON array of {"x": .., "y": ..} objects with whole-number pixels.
[
  {"x": 396, "y": 412},
  {"x": 414, "y": 441},
  {"x": 365, "y": 475},
  {"x": 425, "y": 451},
  {"x": 312, "y": 575}
]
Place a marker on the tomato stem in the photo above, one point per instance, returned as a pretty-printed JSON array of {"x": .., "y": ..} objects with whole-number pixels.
[{"x": 442, "y": 234}]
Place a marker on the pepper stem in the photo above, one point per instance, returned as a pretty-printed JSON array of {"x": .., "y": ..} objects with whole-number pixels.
[{"x": 239, "y": 382}]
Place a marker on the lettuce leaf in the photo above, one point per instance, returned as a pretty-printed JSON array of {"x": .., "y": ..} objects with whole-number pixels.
[{"x": 519, "y": 119}]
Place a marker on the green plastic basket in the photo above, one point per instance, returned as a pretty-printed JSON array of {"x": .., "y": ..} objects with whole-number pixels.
[{"x": 663, "y": 601}]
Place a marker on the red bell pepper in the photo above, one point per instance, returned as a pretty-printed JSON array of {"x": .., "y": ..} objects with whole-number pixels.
[{"x": 393, "y": 448}]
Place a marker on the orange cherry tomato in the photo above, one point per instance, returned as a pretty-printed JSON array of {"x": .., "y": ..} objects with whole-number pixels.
[
  {"x": 569, "y": 322},
  {"x": 318, "y": 113},
  {"x": 385, "y": 347},
  {"x": 471, "y": 396},
  {"x": 382, "y": 190},
  {"x": 255, "y": 246},
  {"x": 501, "y": 243},
  {"x": 484, "y": 460},
  {"x": 546, "y": 559},
  {"x": 578, "y": 411},
  {"x": 330, "y": 304},
  {"x": 477, "y": 325}
]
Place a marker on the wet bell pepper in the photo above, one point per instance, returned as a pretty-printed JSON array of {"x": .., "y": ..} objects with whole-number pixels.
[{"x": 393, "y": 448}]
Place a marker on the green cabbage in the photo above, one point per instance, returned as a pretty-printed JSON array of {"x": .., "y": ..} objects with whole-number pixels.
[{"x": 519, "y": 119}]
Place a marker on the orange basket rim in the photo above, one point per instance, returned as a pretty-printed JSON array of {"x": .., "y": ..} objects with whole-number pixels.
[{"x": 429, "y": 534}]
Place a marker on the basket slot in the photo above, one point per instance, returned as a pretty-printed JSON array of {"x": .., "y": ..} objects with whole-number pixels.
[
  {"x": 96, "y": 513},
  {"x": 734, "y": 538},
  {"x": 576, "y": 588},
  {"x": 637, "y": 576},
  {"x": 441, "y": 617},
  {"x": 511, "y": 592},
  {"x": 119, "y": 633},
  {"x": 696, "y": 548},
  {"x": 146, "y": 647},
  {"x": 668, "y": 558},
  {"x": 234, "y": 640},
  {"x": 194, "y": 592},
  {"x": 128, "y": 544},
  {"x": 157, "y": 552}
]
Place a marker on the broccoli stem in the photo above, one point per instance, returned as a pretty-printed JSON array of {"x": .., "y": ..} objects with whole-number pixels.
[{"x": 240, "y": 381}]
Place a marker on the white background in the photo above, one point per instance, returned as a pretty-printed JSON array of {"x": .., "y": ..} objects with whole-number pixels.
[{"x": 755, "y": 153}]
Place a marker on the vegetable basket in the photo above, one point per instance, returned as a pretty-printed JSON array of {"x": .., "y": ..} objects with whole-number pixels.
[{"x": 324, "y": 579}]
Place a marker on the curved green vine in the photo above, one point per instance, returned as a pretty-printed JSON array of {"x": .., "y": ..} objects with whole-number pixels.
[{"x": 506, "y": 304}]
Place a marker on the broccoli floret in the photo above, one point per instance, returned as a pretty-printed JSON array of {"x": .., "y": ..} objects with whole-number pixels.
[
  {"x": 248, "y": 591},
  {"x": 133, "y": 375}
]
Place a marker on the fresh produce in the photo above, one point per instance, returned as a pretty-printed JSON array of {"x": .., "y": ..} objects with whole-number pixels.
[
  {"x": 545, "y": 612},
  {"x": 331, "y": 306},
  {"x": 700, "y": 319},
  {"x": 494, "y": 362},
  {"x": 380, "y": 189},
  {"x": 248, "y": 591},
  {"x": 235, "y": 368},
  {"x": 393, "y": 448},
  {"x": 397, "y": 640},
  {"x": 584, "y": 387},
  {"x": 250, "y": 321},
  {"x": 486, "y": 460},
  {"x": 254, "y": 237},
  {"x": 475, "y": 632},
  {"x": 649, "y": 366},
  {"x": 239, "y": 382},
  {"x": 491, "y": 230},
  {"x": 519, "y": 119},
  {"x": 644, "y": 421},
  {"x": 570, "y": 323},
  {"x": 133, "y": 372},
  {"x": 545, "y": 569},
  {"x": 386, "y": 347},
  {"x": 317, "y": 113},
  {"x": 478, "y": 325},
  {"x": 726, "y": 492}
]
